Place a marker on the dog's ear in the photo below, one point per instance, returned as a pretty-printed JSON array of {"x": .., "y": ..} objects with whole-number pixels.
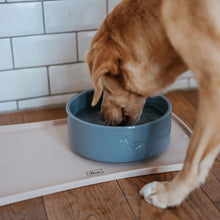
[{"x": 101, "y": 61}]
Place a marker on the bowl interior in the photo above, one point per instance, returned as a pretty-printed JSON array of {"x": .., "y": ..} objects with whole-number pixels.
[{"x": 80, "y": 107}]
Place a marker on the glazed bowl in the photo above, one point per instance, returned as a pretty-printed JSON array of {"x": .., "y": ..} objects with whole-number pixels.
[{"x": 92, "y": 138}]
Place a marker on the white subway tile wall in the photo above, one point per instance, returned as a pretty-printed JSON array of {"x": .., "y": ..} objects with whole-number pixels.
[
  {"x": 187, "y": 74},
  {"x": 42, "y": 50},
  {"x": 23, "y": 0},
  {"x": 62, "y": 16},
  {"x": 84, "y": 41},
  {"x": 178, "y": 84},
  {"x": 21, "y": 19},
  {"x": 25, "y": 83},
  {"x": 44, "y": 101},
  {"x": 192, "y": 83},
  {"x": 5, "y": 54},
  {"x": 112, "y": 4},
  {"x": 8, "y": 106},
  {"x": 69, "y": 78}
]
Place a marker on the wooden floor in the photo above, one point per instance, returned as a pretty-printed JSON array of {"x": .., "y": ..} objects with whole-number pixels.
[{"x": 118, "y": 199}]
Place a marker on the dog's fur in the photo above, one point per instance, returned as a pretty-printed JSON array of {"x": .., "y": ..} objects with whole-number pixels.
[{"x": 141, "y": 48}]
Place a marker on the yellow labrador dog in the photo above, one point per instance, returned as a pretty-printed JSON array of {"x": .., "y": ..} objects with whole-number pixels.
[{"x": 140, "y": 49}]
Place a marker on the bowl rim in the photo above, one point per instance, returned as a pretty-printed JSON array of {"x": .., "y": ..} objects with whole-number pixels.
[{"x": 69, "y": 113}]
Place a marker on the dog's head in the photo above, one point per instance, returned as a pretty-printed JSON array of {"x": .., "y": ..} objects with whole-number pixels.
[
  {"x": 130, "y": 58},
  {"x": 121, "y": 105}
]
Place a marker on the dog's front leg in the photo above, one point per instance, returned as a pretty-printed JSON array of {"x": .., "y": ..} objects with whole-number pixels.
[{"x": 203, "y": 148}]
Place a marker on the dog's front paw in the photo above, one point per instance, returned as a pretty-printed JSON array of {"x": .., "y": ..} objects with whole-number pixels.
[{"x": 159, "y": 195}]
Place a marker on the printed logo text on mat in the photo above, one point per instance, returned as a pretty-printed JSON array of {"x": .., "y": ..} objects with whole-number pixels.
[{"x": 94, "y": 172}]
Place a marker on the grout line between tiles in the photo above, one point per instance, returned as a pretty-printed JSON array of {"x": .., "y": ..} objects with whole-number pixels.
[
  {"x": 44, "y": 25},
  {"x": 33, "y": 67},
  {"x": 77, "y": 47},
  {"x": 22, "y": 1},
  {"x": 52, "y": 33},
  {"x": 4, "y": 70},
  {"x": 107, "y": 8},
  {"x": 44, "y": 96},
  {"x": 188, "y": 82},
  {"x": 12, "y": 53},
  {"x": 17, "y": 104},
  {"x": 48, "y": 81}
]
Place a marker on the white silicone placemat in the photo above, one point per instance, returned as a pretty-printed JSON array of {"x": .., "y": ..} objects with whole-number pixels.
[{"x": 36, "y": 160}]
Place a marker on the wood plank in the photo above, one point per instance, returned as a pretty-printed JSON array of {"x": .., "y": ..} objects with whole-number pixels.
[
  {"x": 196, "y": 206},
  {"x": 100, "y": 201},
  {"x": 142, "y": 210},
  {"x": 192, "y": 96},
  {"x": 212, "y": 184},
  {"x": 27, "y": 210},
  {"x": 183, "y": 108},
  {"x": 11, "y": 118},
  {"x": 217, "y": 205},
  {"x": 44, "y": 114}
]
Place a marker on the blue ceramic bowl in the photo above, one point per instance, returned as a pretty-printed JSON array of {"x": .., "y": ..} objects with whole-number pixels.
[{"x": 92, "y": 138}]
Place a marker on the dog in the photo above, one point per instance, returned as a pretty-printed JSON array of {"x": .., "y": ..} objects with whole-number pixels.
[{"x": 141, "y": 48}]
